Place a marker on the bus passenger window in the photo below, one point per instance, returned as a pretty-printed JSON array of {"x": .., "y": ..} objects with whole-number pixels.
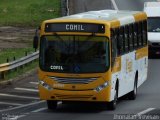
[
  {"x": 135, "y": 30},
  {"x": 121, "y": 39},
  {"x": 144, "y": 32},
  {"x": 119, "y": 42},
  {"x": 131, "y": 42},
  {"x": 141, "y": 24},
  {"x": 126, "y": 33},
  {"x": 114, "y": 44},
  {"x": 139, "y": 34}
]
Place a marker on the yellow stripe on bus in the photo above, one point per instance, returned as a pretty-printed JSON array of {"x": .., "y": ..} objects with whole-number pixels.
[
  {"x": 140, "y": 16},
  {"x": 117, "y": 65},
  {"x": 140, "y": 53}
]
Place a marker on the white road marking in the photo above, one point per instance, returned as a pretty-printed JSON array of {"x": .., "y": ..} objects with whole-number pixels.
[
  {"x": 9, "y": 103},
  {"x": 45, "y": 108},
  {"x": 18, "y": 96},
  {"x": 34, "y": 83},
  {"x": 23, "y": 106},
  {"x": 41, "y": 109},
  {"x": 26, "y": 89},
  {"x": 145, "y": 111},
  {"x": 20, "y": 116},
  {"x": 37, "y": 110}
]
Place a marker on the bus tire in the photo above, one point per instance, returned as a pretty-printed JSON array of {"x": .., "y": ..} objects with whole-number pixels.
[
  {"x": 51, "y": 104},
  {"x": 132, "y": 95},
  {"x": 112, "y": 104}
]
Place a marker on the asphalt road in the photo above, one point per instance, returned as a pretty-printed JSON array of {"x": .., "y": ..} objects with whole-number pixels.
[
  {"x": 78, "y": 6},
  {"x": 148, "y": 100},
  {"x": 136, "y": 5},
  {"x": 20, "y": 101}
]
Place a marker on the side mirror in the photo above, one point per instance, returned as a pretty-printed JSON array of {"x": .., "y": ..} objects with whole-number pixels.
[{"x": 36, "y": 40}]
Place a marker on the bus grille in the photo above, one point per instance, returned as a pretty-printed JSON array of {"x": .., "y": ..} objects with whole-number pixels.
[
  {"x": 73, "y": 97},
  {"x": 73, "y": 80}
]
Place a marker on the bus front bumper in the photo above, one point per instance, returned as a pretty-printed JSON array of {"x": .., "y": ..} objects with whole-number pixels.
[{"x": 68, "y": 95}]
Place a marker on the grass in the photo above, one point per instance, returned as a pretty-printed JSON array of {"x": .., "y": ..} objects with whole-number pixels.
[
  {"x": 27, "y": 13},
  {"x": 17, "y": 53},
  {"x": 14, "y": 52}
]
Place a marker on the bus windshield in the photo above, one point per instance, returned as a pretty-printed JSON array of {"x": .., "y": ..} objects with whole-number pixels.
[
  {"x": 74, "y": 54},
  {"x": 154, "y": 24}
]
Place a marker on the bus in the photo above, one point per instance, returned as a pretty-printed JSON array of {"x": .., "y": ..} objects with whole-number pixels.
[
  {"x": 152, "y": 10},
  {"x": 95, "y": 56}
]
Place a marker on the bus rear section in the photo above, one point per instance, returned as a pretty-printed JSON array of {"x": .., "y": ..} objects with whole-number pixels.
[{"x": 153, "y": 12}]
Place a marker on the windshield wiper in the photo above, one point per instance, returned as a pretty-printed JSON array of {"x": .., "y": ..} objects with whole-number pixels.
[
  {"x": 57, "y": 36},
  {"x": 79, "y": 55},
  {"x": 87, "y": 39}
]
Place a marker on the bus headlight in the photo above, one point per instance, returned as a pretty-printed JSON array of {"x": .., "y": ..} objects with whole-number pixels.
[
  {"x": 99, "y": 88},
  {"x": 45, "y": 85}
]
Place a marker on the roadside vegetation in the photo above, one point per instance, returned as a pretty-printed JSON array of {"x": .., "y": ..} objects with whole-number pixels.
[
  {"x": 9, "y": 55},
  {"x": 22, "y": 70},
  {"x": 26, "y": 14}
]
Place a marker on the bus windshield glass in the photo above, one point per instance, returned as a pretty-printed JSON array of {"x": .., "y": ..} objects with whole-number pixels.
[
  {"x": 74, "y": 54},
  {"x": 154, "y": 24}
]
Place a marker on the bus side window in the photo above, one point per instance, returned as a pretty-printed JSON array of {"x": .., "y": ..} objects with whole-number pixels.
[
  {"x": 121, "y": 40},
  {"x": 113, "y": 44},
  {"x": 135, "y": 36},
  {"x": 126, "y": 33},
  {"x": 131, "y": 41},
  {"x": 119, "y": 45},
  {"x": 141, "y": 24},
  {"x": 139, "y": 34},
  {"x": 144, "y": 32}
]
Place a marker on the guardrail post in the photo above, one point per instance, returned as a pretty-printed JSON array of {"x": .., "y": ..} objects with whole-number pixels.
[
  {"x": 16, "y": 69},
  {"x": 2, "y": 75},
  {"x": 26, "y": 53},
  {"x": 8, "y": 67},
  {"x": 22, "y": 66},
  {"x": 14, "y": 58},
  {"x": 7, "y": 60}
]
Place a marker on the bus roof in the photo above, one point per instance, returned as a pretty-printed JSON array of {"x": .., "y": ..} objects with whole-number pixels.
[{"x": 125, "y": 17}]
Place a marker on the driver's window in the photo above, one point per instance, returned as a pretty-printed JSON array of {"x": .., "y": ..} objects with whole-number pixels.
[{"x": 114, "y": 36}]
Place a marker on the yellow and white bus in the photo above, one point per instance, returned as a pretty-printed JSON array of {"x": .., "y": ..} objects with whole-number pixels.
[{"x": 96, "y": 56}]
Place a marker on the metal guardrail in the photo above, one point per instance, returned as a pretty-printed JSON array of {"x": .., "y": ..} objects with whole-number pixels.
[{"x": 17, "y": 63}]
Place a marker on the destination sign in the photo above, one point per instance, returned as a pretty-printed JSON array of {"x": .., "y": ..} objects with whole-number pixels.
[{"x": 75, "y": 27}]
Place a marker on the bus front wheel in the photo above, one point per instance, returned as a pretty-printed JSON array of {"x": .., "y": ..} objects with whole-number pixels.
[{"x": 51, "y": 104}]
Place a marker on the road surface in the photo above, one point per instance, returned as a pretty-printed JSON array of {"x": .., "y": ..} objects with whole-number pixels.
[
  {"x": 31, "y": 108},
  {"x": 78, "y": 6}
]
